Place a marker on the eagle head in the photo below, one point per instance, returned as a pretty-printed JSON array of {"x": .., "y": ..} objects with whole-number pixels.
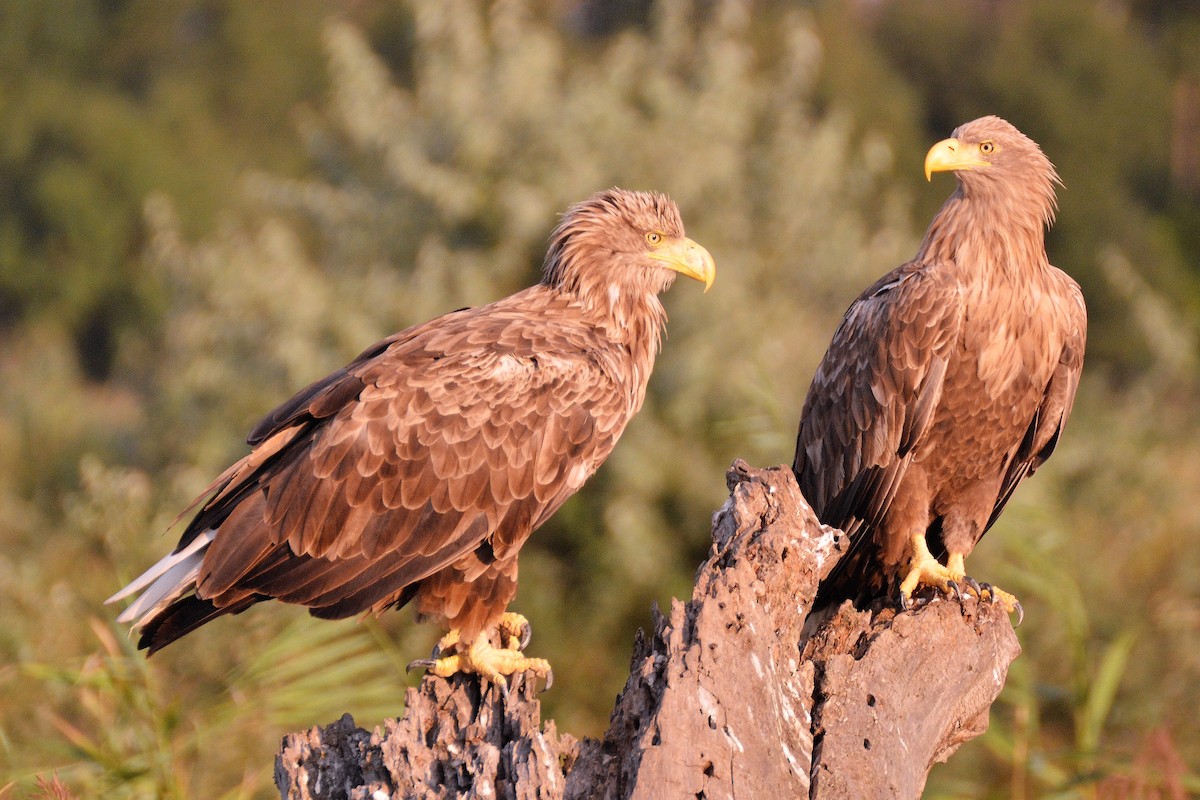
[{"x": 624, "y": 242}]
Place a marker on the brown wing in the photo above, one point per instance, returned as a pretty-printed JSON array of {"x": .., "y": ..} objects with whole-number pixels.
[
  {"x": 281, "y": 430},
  {"x": 1051, "y": 415},
  {"x": 471, "y": 428},
  {"x": 872, "y": 400}
]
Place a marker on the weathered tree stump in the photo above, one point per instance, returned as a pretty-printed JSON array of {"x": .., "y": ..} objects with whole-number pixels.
[{"x": 731, "y": 697}]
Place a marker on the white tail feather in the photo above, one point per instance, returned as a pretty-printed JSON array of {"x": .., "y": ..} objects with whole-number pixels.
[{"x": 174, "y": 575}]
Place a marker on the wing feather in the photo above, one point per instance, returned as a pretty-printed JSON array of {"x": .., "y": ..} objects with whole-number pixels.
[
  {"x": 873, "y": 399},
  {"x": 425, "y": 446},
  {"x": 877, "y": 387},
  {"x": 1057, "y": 400}
]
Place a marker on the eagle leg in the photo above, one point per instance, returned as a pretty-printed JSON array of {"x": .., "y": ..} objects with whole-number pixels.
[{"x": 925, "y": 570}]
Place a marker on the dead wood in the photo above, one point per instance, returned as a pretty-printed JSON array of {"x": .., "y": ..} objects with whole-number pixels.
[{"x": 728, "y": 698}]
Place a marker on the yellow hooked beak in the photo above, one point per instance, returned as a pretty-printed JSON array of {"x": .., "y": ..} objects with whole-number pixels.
[
  {"x": 687, "y": 258},
  {"x": 949, "y": 155}
]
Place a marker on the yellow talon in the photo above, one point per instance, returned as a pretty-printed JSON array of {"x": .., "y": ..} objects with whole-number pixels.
[
  {"x": 482, "y": 658},
  {"x": 490, "y": 662},
  {"x": 925, "y": 570}
]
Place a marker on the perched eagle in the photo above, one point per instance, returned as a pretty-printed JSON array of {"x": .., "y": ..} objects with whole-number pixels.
[
  {"x": 948, "y": 381},
  {"x": 415, "y": 473}
]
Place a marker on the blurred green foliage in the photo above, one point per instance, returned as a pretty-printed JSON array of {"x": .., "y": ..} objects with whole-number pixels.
[{"x": 204, "y": 205}]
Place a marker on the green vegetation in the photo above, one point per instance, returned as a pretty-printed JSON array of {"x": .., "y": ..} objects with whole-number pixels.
[{"x": 207, "y": 205}]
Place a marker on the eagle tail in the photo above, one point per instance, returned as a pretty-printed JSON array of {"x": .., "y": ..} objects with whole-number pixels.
[
  {"x": 184, "y": 616},
  {"x": 172, "y": 577}
]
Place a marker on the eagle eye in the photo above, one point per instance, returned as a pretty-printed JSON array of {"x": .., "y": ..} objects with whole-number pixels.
[
  {"x": 654, "y": 238},
  {"x": 987, "y": 148}
]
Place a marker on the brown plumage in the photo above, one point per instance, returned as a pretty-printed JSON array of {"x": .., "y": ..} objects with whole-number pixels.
[
  {"x": 948, "y": 381},
  {"x": 415, "y": 473}
]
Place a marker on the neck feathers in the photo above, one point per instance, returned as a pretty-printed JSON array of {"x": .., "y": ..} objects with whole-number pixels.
[
  {"x": 617, "y": 293},
  {"x": 993, "y": 226}
]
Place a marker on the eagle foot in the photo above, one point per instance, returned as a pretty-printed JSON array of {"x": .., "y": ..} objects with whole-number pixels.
[
  {"x": 515, "y": 634},
  {"x": 949, "y": 579},
  {"x": 925, "y": 570},
  {"x": 943, "y": 580},
  {"x": 484, "y": 659}
]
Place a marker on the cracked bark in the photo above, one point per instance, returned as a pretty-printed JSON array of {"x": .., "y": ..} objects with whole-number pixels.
[{"x": 730, "y": 697}]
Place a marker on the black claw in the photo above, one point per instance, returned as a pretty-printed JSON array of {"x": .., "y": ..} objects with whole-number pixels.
[
  {"x": 503, "y": 684},
  {"x": 905, "y": 602},
  {"x": 421, "y": 663},
  {"x": 526, "y": 635},
  {"x": 1020, "y": 615},
  {"x": 975, "y": 587},
  {"x": 956, "y": 589},
  {"x": 991, "y": 592}
]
